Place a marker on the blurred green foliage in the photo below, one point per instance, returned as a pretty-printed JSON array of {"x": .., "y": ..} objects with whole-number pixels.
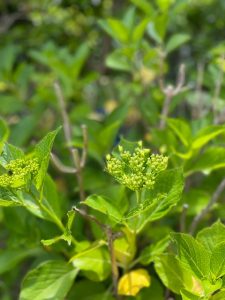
[{"x": 117, "y": 62}]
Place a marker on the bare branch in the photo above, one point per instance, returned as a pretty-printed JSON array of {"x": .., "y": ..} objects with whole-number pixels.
[
  {"x": 180, "y": 80},
  {"x": 60, "y": 166},
  {"x": 170, "y": 91},
  {"x": 85, "y": 146},
  {"x": 205, "y": 210},
  {"x": 62, "y": 104},
  {"x": 218, "y": 87}
]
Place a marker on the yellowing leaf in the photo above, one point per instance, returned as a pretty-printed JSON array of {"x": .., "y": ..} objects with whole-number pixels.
[{"x": 131, "y": 283}]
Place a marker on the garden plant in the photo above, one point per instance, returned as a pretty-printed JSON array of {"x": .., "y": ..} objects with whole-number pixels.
[{"x": 112, "y": 150}]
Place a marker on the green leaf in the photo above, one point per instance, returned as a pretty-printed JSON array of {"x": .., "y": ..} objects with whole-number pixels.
[
  {"x": 192, "y": 254},
  {"x": 9, "y": 258},
  {"x": 116, "y": 29},
  {"x": 166, "y": 193},
  {"x": 212, "y": 236},
  {"x": 217, "y": 261},
  {"x": 50, "y": 280},
  {"x": 176, "y": 41},
  {"x": 145, "y": 6},
  {"x": 139, "y": 30},
  {"x": 6, "y": 203},
  {"x": 118, "y": 61},
  {"x": 42, "y": 151},
  {"x": 9, "y": 153},
  {"x": 212, "y": 158},
  {"x": 149, "y": 253},
  {"x": 95, "y": 261},
  {"x": 186, "y": 295},
  {"x": 218, "y": 296},
  {"x": 207, "y": 134},
  {"x": 181, "y": 129},
  {"x": 4, "y": 133},
  {"x": 171, "y": 272},
  {"x": 104, "y": 206},
  {"x": 8, "y": 198}
]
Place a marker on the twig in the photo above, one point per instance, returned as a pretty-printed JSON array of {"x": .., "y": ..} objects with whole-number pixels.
[
  {"x": 205, "y": 210},
  {"x": 170, "y": 91},
  {"x": 183, "y": 217},
  {"x": 78, "y": 161},
  {"x": 111, "y": 236},
  {"x": 199, "y": 82},
  {"x": 218, "y": 86},
  {"x": 60, "y": 166}
]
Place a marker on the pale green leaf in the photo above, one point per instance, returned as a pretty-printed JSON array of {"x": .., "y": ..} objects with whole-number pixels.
[
  {"x": 207, "y": 134},
  {"x": 4, "y": 133},
  {"x": 118, "y": 61},
  {"x": 159, "y": 201},
  {"x": 150, "y": 252},
  {"x": 181, "y": 129},
  {"x": 212, "y": 236},
  {"x": 217, "y": 261},
  {"x": 42, "y": 151},
  {"x": 95, "y": 262},
  {"x": 104, "y": 206},
  {"x": 192, "y": 254},
  {"x": 171, "y": 272},
  {"x": 212, "y": 158},
  {"x": 176, "y": 41},
  {"x": 50, "y": 280},
  {"x": 9, "y": 258},
  {"x": 139, "y": 30}
]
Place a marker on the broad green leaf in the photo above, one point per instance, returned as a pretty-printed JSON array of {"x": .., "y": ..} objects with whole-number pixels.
[
  {"x": 192, "y": 254},
  {"x": 9, "y": 258},
  {"x": 51, "y": 196},
  {"x": 181, "y": 129},
  {"x": 22, "y": 131},
  {"x": 212, "y": 158},
  {"x": 150, "y": 252},
  {"x": 218, "y": 296},
  {"x": 207, "y": 134},
  {"x": 8, "y": 198},
  {"x": 212, "y": 236},
  {"x": 145, "y": 6},
  {"x": 116, "y": 29},
  {"x": 4, "y": 133},
  {"x": 101, "y": 204},
  {"x": 10, "y": 203},
  {"x": 166, "y": 193},
  {"x": 118, "y": 61},
  {"x": 176, "y": 41},
  {"x": 217, "y": 261},
  {"x": 139, "y": 30},
  {"x": 186, "y": 295},
  {"x": 88, "y": 290},
  {"x": 94, "y": 261},
  {"x": 171, "y": 272},
  {"x": 10, "y": 152},
  {"x": 50, "y": 280},
  {"x": 106, "y": 136},
  {"x": 42, "y": 151}
]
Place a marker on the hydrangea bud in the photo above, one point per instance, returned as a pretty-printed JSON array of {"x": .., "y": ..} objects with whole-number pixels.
[
  {"x": 17, "y": 172},
  {"x": 136, "y": 170}
]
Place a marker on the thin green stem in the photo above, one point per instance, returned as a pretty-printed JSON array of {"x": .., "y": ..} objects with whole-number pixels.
[{"x": 138, "y": 196}]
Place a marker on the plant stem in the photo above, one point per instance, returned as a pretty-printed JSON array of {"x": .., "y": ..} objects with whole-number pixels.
[
  {"x": 111, "y": 236},
  {"x": 138, "y": 196},
  {"x": 206, "y": 209},
  {"x": 183, "y": 217}
]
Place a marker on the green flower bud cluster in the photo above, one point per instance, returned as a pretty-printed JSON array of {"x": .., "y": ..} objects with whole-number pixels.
[
  {"x": 18, "y": 171},
  {"x": 136, "y": 170}
]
